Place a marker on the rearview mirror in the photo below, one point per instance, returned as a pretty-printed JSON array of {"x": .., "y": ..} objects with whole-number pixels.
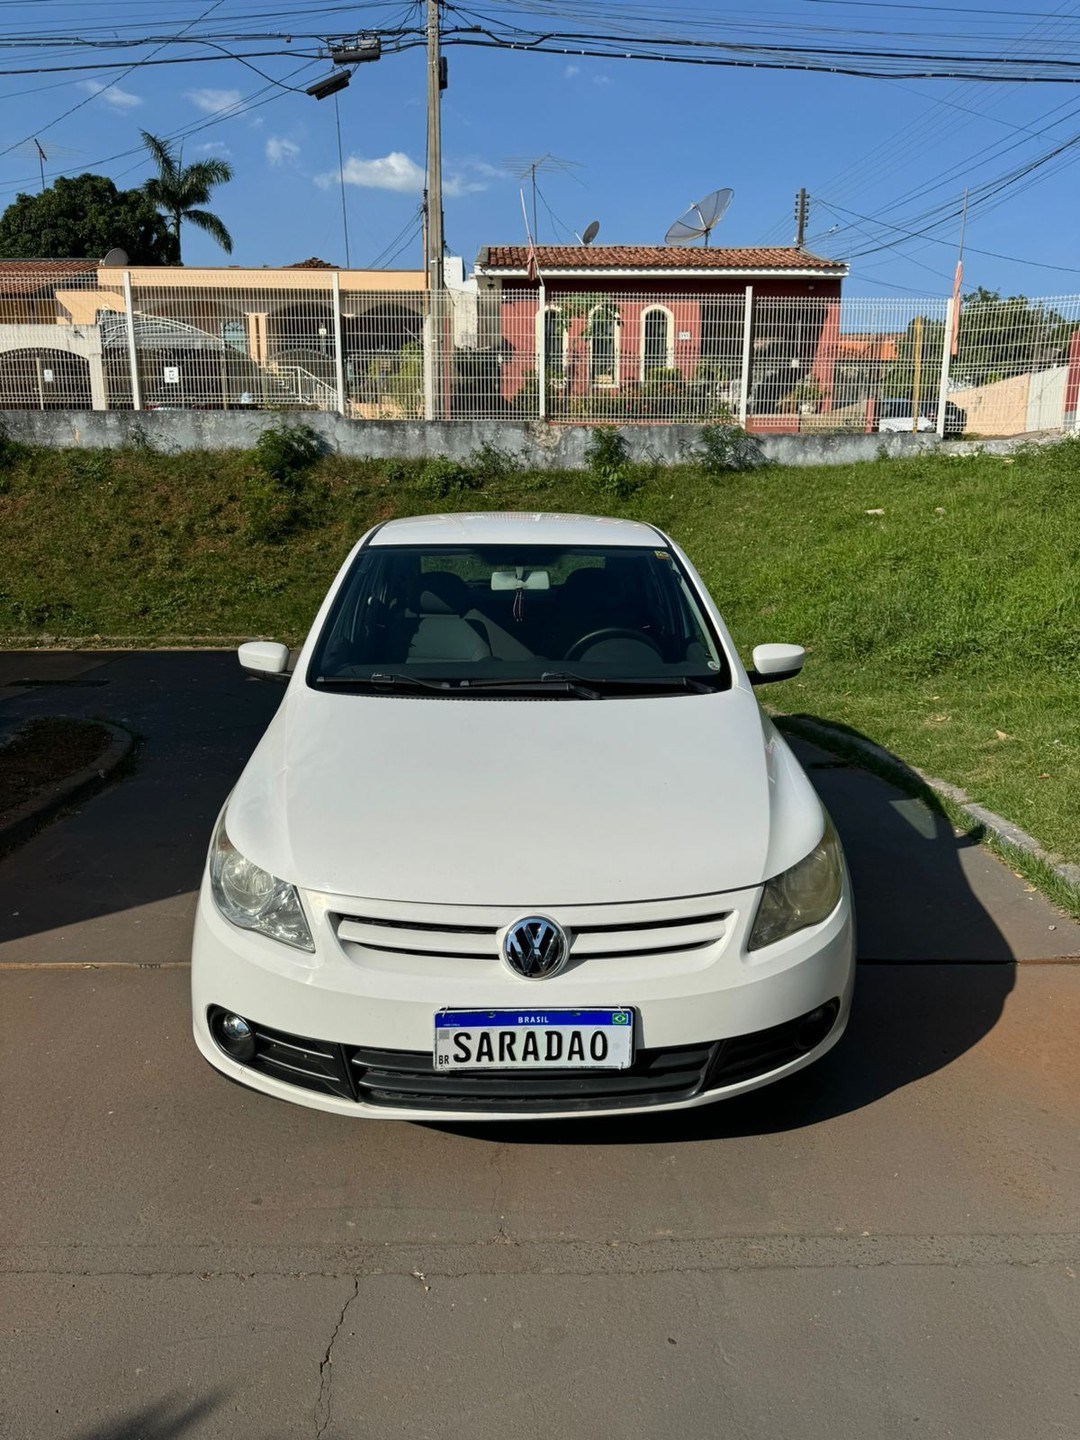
[
  {"x": 265, "y": 659},
  {"x": 512, "y": 580},
  {"x": 776, "y": 662}
]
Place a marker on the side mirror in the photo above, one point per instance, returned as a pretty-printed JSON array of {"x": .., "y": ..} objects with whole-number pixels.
[
  {"x": 265, "y": 659},
  {"x": 776, "y": 662}
]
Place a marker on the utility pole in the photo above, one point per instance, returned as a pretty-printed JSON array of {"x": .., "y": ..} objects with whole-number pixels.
[
  {"x": 802, "y": 212},
  {"x": 434, "y": 255}
]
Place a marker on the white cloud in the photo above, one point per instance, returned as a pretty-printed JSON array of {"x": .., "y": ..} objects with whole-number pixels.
[
  {"x": 210, "y": 102},
  {"x": 570, "y": 71},
  {"x": 397, "y": 171},
  {"x": 491, "y": 172},
  {"x": 111, "y": 94},
  {"x": 280, "y": 151},
  {"x": 457, "y": 185},
  {"x": 212, "y": 147},
  {"x": 390, "y": 172},
  {"x": 602, "y": 80}
]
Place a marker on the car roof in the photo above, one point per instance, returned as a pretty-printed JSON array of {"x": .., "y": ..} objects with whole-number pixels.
[{"x": 515, "y": 528}]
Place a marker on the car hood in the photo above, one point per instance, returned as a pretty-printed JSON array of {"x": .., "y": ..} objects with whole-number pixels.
[{"x": 522, "y": 802}]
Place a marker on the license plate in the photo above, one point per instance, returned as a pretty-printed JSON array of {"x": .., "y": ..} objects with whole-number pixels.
[{"x": 534, "y": 1039}]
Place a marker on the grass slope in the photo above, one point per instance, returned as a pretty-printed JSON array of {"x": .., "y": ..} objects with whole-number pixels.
[{"x": 938, "y": 596}]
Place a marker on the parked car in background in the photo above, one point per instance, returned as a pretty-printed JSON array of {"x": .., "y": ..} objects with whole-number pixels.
[
  {"x": 520, "y": 841},
  {"x": 897, "y": 416}
]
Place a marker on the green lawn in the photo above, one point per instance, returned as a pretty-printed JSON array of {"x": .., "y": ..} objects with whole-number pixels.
[{"x": 947, "y": 628}]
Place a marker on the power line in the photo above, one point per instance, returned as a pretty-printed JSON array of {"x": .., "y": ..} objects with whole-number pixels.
[
  {"x": 973, "y": 249},
  {"x": 40, "y": 129},
  {"x": 852, "y": 175}
]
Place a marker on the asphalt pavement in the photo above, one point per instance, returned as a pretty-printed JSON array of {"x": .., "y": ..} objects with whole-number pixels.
[{"x": 887, "y": 1245}]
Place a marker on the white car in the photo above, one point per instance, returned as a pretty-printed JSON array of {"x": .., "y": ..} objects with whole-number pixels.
[{"x": 519, "y": 842}]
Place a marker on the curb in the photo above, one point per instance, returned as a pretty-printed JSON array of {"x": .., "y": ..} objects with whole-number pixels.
[
  {"x": 1004, "y": 831},
  {"x": 29, "y": 817}
]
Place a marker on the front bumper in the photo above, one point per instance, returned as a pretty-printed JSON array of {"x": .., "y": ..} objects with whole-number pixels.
[{"x": 710, "y": 1023}]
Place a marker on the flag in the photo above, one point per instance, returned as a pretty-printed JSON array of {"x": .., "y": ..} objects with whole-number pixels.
[
  {"x": 954, "y": 339},
  {"x": 532, "y": 265}
]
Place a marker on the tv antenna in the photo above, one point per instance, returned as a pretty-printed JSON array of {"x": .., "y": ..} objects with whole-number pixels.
[
  {"x": 34, "y": 149},
  {"x": 528, "y": 169},
  {"x": 589, "y": 234},
  {"x": 700, "y": 220}
]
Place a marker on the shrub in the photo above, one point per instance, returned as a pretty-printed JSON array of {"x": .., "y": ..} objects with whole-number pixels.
[
  {"x": 727, "y": 449},
  {"x": 607, "y": 455},
  {"x": 402, "y": 389},
  {"x": 10, "y": 450},
  {"x": 488, "y": 462},
  {"x": 398, "y": 472},
  {"x": 279, "y": 498},
  {"x": 442, "y": 477},
  {"x": 284, "y": 451}
]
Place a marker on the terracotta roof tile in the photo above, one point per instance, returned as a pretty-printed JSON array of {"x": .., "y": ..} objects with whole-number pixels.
[
  {"x": 656, "y": 257},
  {"x": 27, "y": 277},
  {"x": 314, "y": 263}
]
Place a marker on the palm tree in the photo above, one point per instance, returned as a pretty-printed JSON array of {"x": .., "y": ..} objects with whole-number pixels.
[{"x": 178, "y": 189}]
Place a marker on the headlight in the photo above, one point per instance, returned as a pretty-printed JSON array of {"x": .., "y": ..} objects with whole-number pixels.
[
  {"x": 804, "y": 895},
  {"x": 253, "y": 898}
]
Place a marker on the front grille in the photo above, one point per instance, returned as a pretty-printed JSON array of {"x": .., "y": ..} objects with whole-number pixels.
[
  {"x": 596, "y": 932},
  {"x": 407, "y": 1079}
]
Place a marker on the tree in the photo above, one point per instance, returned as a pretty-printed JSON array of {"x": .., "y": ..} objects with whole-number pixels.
[
  {"x": 1005, "y": 336},
  {"x": 178, "y": 190},
  {"x": 999, "y": 337},
  {"x": 924, "y": 339},
  {"x": 84, "y": 218}
]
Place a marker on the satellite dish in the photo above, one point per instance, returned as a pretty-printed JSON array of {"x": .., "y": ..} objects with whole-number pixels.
[
  {"x": 700, "y": 219},
  {"x": 591, "y": 232},
  {"x": 116, "y": 259}
]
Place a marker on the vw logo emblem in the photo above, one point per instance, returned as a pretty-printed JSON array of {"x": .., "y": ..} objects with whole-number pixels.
[{"x": 535, "y": 947}]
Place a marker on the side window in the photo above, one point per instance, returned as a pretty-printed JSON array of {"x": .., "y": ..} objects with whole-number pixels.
[
  {"x": 553, "y": 344},
  {"x": 603, "y": 346},
  {"x": 656, "y": 348}
]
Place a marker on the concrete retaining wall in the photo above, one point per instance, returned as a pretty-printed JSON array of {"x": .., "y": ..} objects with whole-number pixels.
[{"x": 538, "y": 445}]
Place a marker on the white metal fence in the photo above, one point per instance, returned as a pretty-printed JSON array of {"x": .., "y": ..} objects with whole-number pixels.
[{"x": 79, "y": 336}]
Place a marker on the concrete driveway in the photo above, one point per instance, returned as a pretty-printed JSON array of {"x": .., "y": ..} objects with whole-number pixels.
[{"x": 885, "y": 1246}]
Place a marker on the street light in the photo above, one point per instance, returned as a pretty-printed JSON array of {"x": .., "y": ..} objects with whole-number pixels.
[{"x": 330, "y": 85}]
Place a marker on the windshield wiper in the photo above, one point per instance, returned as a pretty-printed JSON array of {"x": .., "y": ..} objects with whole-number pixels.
[
  {"x": 381, "y": 678},
  {"x": 463, "y": 685},
  {"x": 633, "y": 682},
  {"x": 585, "y": 687},
  {"x": 571, "y": 684}
]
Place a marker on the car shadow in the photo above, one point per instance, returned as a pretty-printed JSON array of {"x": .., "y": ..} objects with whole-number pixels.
[
  {"x": 934, "y": 969},
  {"x": 142, "y": 839},
  {"x": 164, "y": 1420}
]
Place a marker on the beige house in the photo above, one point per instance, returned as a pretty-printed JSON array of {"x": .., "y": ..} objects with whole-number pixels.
[{"x": 78, "y": 335}]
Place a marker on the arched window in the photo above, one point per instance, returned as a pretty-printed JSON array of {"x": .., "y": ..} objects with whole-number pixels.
[
  {"x": 657, "y": 350},
  {"x": 603, "y": 335},
  {"x": 554, "y": 345},
  {"x": 234, "y": 335}
]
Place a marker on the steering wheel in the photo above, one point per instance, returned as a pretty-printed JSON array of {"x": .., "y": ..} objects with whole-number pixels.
[{"x": 608, "y": 632}]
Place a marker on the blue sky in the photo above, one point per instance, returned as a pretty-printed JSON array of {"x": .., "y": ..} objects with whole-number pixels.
[{"x": 647, "y": 139}]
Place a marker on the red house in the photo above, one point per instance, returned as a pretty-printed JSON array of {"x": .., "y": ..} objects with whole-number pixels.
[{"x": 657, "y": 332}]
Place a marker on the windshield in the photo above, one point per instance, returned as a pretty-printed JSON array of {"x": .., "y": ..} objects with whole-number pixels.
[{"x": 588, "y": 621}]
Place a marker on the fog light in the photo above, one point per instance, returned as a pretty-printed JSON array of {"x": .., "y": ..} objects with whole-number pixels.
[
  {"x": 815, "y": 1026},
  {"x": 235, "y": 1036}
]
